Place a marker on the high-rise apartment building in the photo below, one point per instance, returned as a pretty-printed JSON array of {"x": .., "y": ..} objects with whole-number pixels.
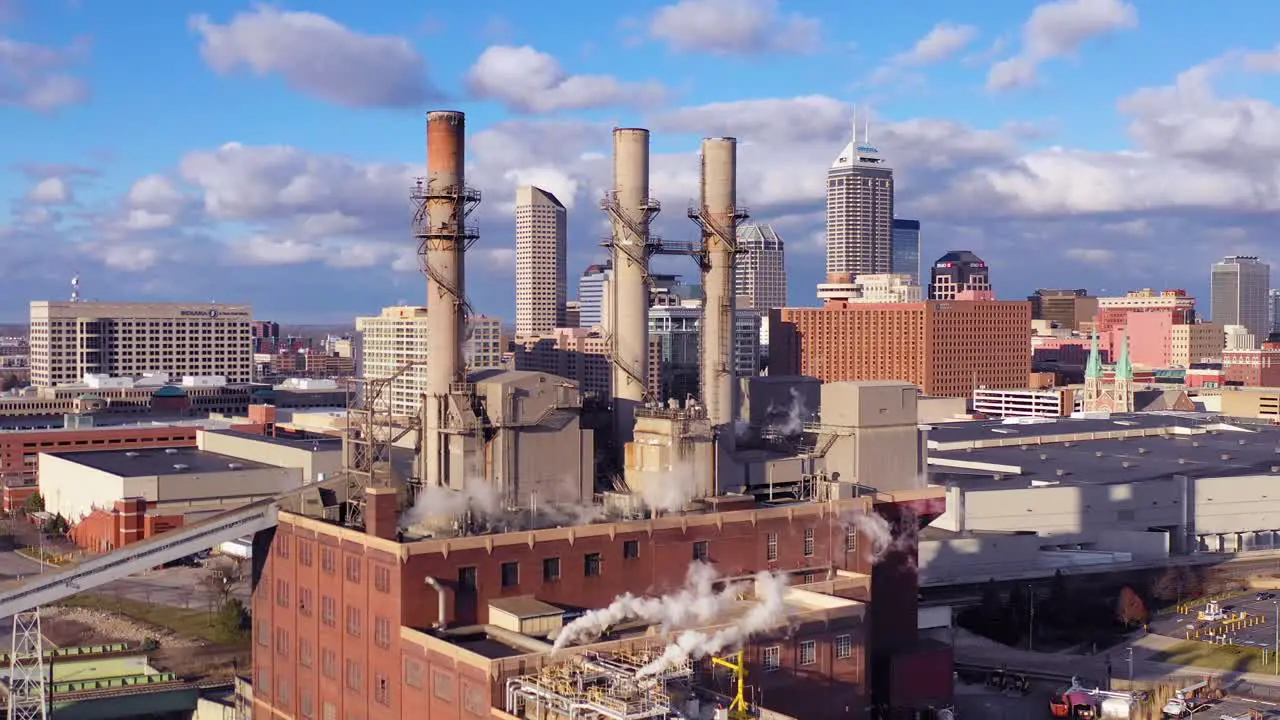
[
  {"x": 541, "y": 226},
  {"x": 947, "y": 348},
  {"x": 593, "y": 290},
  {"x": 397, "y": 343},
  {"x": 1274, "y": 309},
  {"x": 859, "y": 211},
  {"x": 906, "y": 248},
  {"x": 959, "y": 275},
  {"x": 760, "y": 271},
  {"x": 72, "y": 339},
  {"x": 1240, "y": 294}
]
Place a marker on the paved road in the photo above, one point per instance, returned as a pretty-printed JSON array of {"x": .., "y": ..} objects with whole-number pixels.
[{"x": 1260, "y": 636}]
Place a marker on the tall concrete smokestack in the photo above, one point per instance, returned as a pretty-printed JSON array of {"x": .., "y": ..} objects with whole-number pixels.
[
  {"x": 630, "y": 211},
  {"x": 443, "y": 235},
  {"x": 717, "y": 215}
]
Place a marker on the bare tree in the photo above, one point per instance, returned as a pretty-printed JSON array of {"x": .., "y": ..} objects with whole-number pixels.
[{"x": 220, "y": 584}]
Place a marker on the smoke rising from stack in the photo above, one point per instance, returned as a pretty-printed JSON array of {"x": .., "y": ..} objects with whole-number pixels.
[
  {"x": 792, "y": 419},
  {"x": 676, "y": 488},
  {"x": 697, "y": 602},
  {"x": 767, "y": 613},
  {"x": 883, "y": 537}
]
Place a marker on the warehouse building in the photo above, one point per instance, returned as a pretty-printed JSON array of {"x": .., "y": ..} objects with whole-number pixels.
[
  {"x": 1034, "y": 494},
  {"x": 114, "y": 498}
]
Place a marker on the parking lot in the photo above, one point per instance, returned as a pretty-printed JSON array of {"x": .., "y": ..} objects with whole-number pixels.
[{"x": 1262, "y": 635}]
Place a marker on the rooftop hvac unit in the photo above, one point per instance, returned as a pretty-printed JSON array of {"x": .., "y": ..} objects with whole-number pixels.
[
  {"x": 235, "y": 466},
  {"x": 171, "y": 451},
  {"x": 131, "y": 453},
  {"x": 181, "y": 466}
]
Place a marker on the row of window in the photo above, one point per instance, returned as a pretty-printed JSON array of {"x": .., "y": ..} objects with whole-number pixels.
[{"x": 771, "y": 656}]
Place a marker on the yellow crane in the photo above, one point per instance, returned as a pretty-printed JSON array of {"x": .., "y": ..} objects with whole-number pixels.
[{"x": 738, "y": 709}]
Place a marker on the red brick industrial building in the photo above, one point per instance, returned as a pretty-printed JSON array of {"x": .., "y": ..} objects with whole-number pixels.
[
  {"x": 341, "y": 616},
  {"x": 948, "y": 348}
]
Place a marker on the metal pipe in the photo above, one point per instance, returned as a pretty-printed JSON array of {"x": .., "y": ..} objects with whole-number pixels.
[
  {"x": 441, "y": 622},
  {"x": 630, "y": 211}
]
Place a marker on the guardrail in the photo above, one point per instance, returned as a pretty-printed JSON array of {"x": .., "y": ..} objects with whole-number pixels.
[{"x": 79, "y": 651}]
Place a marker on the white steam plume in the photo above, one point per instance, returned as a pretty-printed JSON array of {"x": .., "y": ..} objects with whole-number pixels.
[
  {"x": 880, "y": 534},
  {"x": 673, "y": 490},
  {"x": 697, "y": 602},
  {"x": 767, "y": 613},
  {"x": 436, "y": 503},
  {"x": 792, "y": 421}
]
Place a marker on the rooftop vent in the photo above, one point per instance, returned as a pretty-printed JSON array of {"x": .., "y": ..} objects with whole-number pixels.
[
  {"x": 235, "y": 466},
  {"x": 181, "y": 466},
  {"x": 1225, "y": 456},
  {"x": 1242, "y": 442},
  {"x": 998, "y": 476},
  {"x": 1097, "y": 453},
  {"x": 134, "y": 453},
  {"x": 1043, "y": 456},
  {"x": 1060, "y": 472},
  {"x": 1182, "y": 461},
  {"x": 1024, "y": 448},
  {"x": 1275, "y": 468},
  {"x": 1126, "y": 464},
  {"x": 1195, "y": 443},
  {"x": 1068, "y": 444},
  {"x": 1142, "y": 451},
  {"x": 171, "y": 451}
]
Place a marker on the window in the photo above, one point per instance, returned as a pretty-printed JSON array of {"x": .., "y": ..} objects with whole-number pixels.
[
  {"x": 282, "y": 593},
  {"x": 808, "y": 652},
  {"x": 772, "y": 658},
  {"x": 307, "y": 703},
  {"x": 808, "y": 542},
  {"x": 329, "y": 664},
  {"x": 327, "y": 561},
  {"x": 353, "y": 621},
  {"x": 283, "y": 696},
  {"x": 550, "y": 569},
  {"x": 473, "y": 700},
  {"x": 467, "y": 579},
  {"x": 304, "y": 553},
  {"x": 851, "y": 541},
  {"x": 330, "y": 711},
  {"x": 382, "y": 632},
  {"x": 591, "y": 565},
  {"x": 442, "y": 685},
  {"x": 263, "y": 685},
  {"x": 630, "y": 549},
  {"x": 771, "y": 547},
  {"x": 382, "y": 579},
  {"x": 510, "y": 574},
  {"x": 844, "y": 646},
  {"x": 701, "y": 550},
  {"x": 261, "y": 631},
  {"x": 412, "y": 673},
  {"x": 354, "y": 680},
  {"x": 304, "y": 652},
  {"x": 353, "y": 569},
  {"x": 304, "y": 602},
  {"x": 381, "y": 691},
  {"x": 328, "y": 609},
  {"x": 282, "y": 643}
]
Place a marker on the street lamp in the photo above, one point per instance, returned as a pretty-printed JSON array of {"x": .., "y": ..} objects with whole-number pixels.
[
  {"x": 1276, "y": 605},
  {"x": 1130, "y": 649}
]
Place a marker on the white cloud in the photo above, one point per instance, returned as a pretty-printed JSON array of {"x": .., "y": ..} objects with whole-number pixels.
[
  {"x": 1058, "y": 29},
  {"x": 50, "y": 191},
  {"x": 941, "y": 43},
  {"x": 734, "y": 27},
  {"x": 317, "y": 56},
  {"x": 530, "y": 81},
  {"x": 1090, "y": 256},
  {"x": 34, "y": 76}
]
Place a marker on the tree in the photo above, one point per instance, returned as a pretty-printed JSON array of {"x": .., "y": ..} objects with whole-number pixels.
[
  {"x": 34, "y": 503},
  {"x": 232, "y": 621},
  {"x": 1130, "y": 609},
  {"x": 220, "y": 584},
  {"x": 57, "y": 525}
]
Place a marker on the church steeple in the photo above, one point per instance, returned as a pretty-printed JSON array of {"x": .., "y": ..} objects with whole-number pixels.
[
  {"x": 1124, "y": 366},
  {"x": 1094, "y": 369}
]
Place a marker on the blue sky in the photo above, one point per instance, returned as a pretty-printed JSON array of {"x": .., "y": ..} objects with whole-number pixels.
[{"x": 261, "y": 153}]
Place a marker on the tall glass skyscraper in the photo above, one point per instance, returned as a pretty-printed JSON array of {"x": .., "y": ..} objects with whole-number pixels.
[
  {"x": 906, "y": 248},
  {"x": 592, "y": 287},
  {"x": 859, "y": 211},
  {"x": 1240, "y": 290}
]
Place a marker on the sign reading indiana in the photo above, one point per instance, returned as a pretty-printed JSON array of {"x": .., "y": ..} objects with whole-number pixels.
[{"x": 213, "y": 313}]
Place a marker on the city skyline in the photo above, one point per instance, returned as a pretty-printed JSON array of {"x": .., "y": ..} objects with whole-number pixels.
[{"x": 143, "y": 169}]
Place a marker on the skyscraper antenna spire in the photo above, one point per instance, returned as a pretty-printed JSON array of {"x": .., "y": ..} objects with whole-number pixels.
[
  {"x": 866, "y": 128},
  {"x": 854, "y": 137}
]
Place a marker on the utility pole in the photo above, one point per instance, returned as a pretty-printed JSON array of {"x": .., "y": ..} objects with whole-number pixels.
[
  {"x": 1031, "y": 626},
  {"x": 1276, "y": 604},
  {"x": 1130, "y": 668}
]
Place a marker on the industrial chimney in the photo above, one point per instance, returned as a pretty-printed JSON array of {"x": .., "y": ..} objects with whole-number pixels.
[
  {"x": 717, "y": 215},
  {"x": 630, "y": 211},
  {"x": 443, "y": 204}
]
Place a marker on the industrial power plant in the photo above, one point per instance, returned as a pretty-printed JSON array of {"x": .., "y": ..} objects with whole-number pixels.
[{"x": 505, "y": 560}]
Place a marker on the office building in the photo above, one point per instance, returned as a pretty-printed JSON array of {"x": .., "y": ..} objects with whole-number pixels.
[
  {"x": 859, "y": 211},
  {"x": 541, "y": 227},
  {"x": 760, "y": 272},
  {"x": 1240, "y": 294},
  {"x": 947, "y": 348},
  {"x": 960, "y": 275},
  {"x": 580, "y": 355},
  {"x": 1067, "y": 309},
  {"x": 880, "y": 288},
  {"x": 906, "y": 248},
  {"x": 396, "y": 344},
  {"x": 1274, "y": 310},
  {"x": 70, "y": 340},
  {"x": 593, "y": 291},
  {"x": 1114, "y": 312}
]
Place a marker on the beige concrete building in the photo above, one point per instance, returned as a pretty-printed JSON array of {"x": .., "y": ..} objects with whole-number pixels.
[
  {"x": 399, "y": 339},
  {"x": 316, "y": 457},
  {"x": 541, "y": 227},
  {"x": 1200, "y": 342},
  {"x": 582, "y": 355},
  {"x": 1261, "y": 403},
  {"x": 72, "y": 339}
]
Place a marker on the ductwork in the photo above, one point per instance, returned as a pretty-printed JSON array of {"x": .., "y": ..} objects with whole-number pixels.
[{"x": 440, "y": 600}]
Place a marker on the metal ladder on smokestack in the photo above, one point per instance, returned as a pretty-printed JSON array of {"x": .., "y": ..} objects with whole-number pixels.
[
  {"x": 457, "y": 230},
  {"x": 637, "y": 253}
]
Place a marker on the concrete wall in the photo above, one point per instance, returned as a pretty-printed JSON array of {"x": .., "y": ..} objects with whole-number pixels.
[
  {"x": 254, "y": 448},
  {"x": 978, "y": 557},
  {"x": 1237, "y": 504},
  {"x": 941, "y": 409},
  {"x": 887, "y": 449},
  {"x": 1076, "y": 509},
  {"x": 74, "y": 490},
  {"x": 245, "y": 483}
]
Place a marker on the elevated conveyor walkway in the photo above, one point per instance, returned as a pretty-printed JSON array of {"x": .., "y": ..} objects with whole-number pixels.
[{"x": 119, "y": 564}]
